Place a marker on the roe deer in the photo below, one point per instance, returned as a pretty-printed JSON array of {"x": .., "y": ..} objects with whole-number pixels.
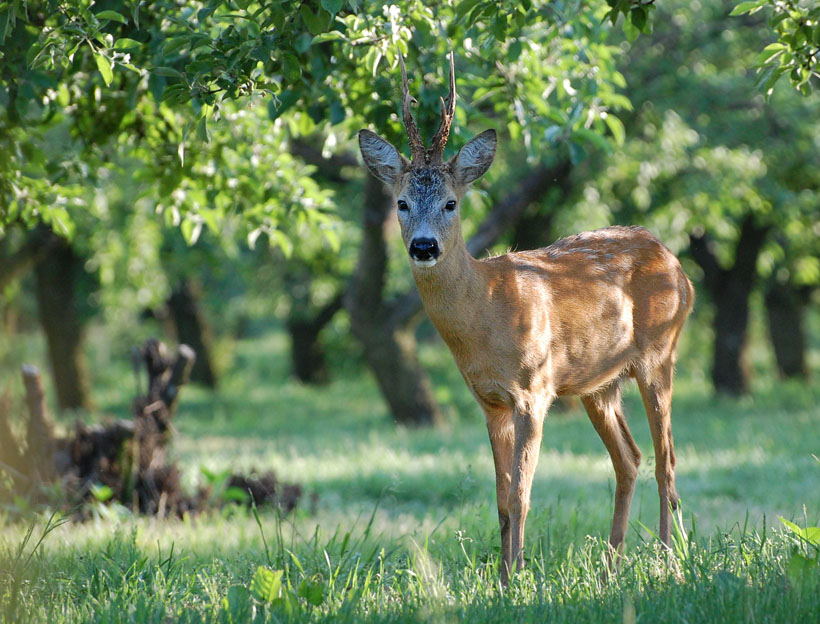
[{"x": 577, "y": 317}]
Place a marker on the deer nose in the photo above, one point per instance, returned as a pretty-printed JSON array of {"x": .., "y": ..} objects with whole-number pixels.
[{"x": 424, "y": 249}]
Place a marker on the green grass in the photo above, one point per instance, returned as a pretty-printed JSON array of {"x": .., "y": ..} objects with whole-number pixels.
[{"x": 404, "y": 525}]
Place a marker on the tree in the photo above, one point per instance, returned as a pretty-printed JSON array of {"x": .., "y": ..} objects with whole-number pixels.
[
  {"x": 796, "y": 49},
  {"x": 734, "y": 179}
]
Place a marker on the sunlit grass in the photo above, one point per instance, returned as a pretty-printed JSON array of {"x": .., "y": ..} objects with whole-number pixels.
[{"x": 418, "y": 510}]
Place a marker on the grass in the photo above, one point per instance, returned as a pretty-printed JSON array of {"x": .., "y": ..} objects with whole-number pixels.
[{"x": 404, "y": 527}]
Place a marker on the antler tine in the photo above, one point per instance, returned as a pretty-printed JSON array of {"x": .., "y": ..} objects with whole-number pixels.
[
  {"x": 448, "y": 109},
  {"x": 417, "y": 151}
]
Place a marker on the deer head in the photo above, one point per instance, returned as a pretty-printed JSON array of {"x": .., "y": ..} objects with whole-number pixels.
[{"x": 428, "y": 190}]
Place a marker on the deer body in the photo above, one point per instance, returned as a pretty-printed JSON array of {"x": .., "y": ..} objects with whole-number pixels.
[{"x": 574, "y": 318}]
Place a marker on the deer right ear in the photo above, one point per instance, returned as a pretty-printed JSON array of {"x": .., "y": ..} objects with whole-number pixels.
[{"x": 382, "y": 159}]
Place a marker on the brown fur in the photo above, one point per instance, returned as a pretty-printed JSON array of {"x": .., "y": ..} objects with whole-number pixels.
[{"x": 573, "y": 318}]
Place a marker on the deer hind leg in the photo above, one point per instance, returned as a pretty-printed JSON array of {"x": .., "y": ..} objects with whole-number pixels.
[
  {"x": 605, "y": 412},
  {"x": 528, "y": 429},
  {"x": 499, "y": 426},
  {"x": 656, "y": 392}
]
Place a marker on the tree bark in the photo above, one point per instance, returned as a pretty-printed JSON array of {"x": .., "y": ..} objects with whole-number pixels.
[
  {"x": 57, "y": 278},
  {"x": 192, "y": 329},
  {"x": 306, "y": 353},
  {"x": 730, "y": 290},
  {"x": 15, "y": 263},
  {"x": 785, "y": 309}
]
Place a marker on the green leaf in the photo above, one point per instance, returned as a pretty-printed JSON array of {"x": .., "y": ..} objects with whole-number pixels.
[
  {"x": 236, "y": 495},
  {"x": 333, "y": 35},
  {"x": 168, "y": 72},
  {"x": 312, "y": 592},
  {"x": 576, "y": 153},
  {"x": 105, "y": 68},
  {"x": 616, "y": 127},
  {"x": 124, "y": 43},
  {"x": 101, "y": 492},
  {"x": 332, "y": 6},
  {"x": 266, "y": 584},
  {"x": 191, "y": 228},
  {"x": 111, "y": 15},
  {"x": 291, "y": 68},
  {"x": 316, "y": 22},
  {"x": 809, "y": 534},
  {"x": 800, "y": 568},
  {"x": 748, "y": 7},
  {"x": 202, "y": 129},
  {"x": 590, "y": 136},
  {"x": 516, "y": 47},
  {"x": 281, "y": 239},
  {"x": 277, "y": 106},
  {"x": 175, "y": 43},
  {"x": 638, "y": 17}
]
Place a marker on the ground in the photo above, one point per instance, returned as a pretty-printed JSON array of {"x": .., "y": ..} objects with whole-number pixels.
[{"x": 403, "y": 526}]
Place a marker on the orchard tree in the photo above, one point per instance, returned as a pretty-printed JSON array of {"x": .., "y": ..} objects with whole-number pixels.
[{"x": 718, "y": 170}]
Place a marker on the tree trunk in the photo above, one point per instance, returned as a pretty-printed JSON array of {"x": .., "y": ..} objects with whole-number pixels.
[
  {"x": 389, "y": 348},
  {"x": 730, "y": 373},
  {"x": 730, "y": 290},
  {"x": 306, "y": 353},
  {"x": 785, "y": 307},
  {"x": 193, "y": 330},
  {"x": 57, "y": 276}
]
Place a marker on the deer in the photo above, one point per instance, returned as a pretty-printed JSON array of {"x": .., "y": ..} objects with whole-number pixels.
[{"x": 578, "y": 317}]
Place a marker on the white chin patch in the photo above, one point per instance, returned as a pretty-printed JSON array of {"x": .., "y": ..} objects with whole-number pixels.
[{"x": 425, "y": 263}]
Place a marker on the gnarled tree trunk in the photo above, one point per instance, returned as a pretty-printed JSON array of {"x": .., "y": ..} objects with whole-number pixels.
[
  {"x": 192, "y": 329},
  {"x": 306, "y": 353},
  {"x": 785, "y": 309},
  {"x": 730, "y": 290},
  {"x": 57, "y": 279}
]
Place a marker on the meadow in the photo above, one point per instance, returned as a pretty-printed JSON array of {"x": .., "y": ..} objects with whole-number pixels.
[{"x": 399, "y": 524}]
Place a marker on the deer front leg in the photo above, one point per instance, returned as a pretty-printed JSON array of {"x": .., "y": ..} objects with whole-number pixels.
[
  {"x": 528, "y": 429},
  {"x": 499, "y": 426}
]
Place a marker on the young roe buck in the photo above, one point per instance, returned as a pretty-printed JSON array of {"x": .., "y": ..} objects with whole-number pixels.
[{"x": 574, "y": 318}]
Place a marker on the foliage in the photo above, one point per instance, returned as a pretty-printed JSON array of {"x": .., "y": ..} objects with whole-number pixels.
[
  {"x": 160, "y": 91},
  {"x": 796, "y": 51},
  {"x": 727, "y": 153}
]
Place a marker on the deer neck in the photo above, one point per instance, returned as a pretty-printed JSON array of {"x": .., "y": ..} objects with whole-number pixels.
[{"x": 451, "y": 292}]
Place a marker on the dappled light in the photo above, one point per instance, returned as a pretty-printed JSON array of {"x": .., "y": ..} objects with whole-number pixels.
[{"x": 309, "y": 307}]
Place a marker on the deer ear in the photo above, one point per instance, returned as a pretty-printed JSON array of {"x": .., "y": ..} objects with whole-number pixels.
[
  {"x": 473, "y": 160},
  {"x": 381, "y": 158}
]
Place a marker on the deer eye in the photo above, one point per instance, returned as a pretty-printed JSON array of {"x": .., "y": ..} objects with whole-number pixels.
[
  {"x": 402, "y": 205},
  {"x": 450, "y": 205}
]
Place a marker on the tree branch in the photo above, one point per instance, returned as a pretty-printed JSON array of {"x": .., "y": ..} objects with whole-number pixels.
[
  {"x": 702, "y": 254},
  {"x": 33, "y": 250},
  {"x": 330, "y": 167}
]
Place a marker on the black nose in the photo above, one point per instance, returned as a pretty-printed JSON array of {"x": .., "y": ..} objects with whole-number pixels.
[{"x": 424, "y": 249}]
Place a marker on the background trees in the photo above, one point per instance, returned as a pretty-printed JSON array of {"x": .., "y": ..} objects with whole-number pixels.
[{"x": 133, "y": 131}]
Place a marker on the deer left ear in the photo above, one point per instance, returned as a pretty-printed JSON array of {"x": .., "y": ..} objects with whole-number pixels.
[
  {"x": 473, "y": 160},
  {"x": 383, "y": 160}
]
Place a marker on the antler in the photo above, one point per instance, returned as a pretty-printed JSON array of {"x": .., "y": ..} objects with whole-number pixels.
[
  {"x": 417, "y": 151},
  {"x": 419, "y": 154},
  {"x": 448, "y": 110}
]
